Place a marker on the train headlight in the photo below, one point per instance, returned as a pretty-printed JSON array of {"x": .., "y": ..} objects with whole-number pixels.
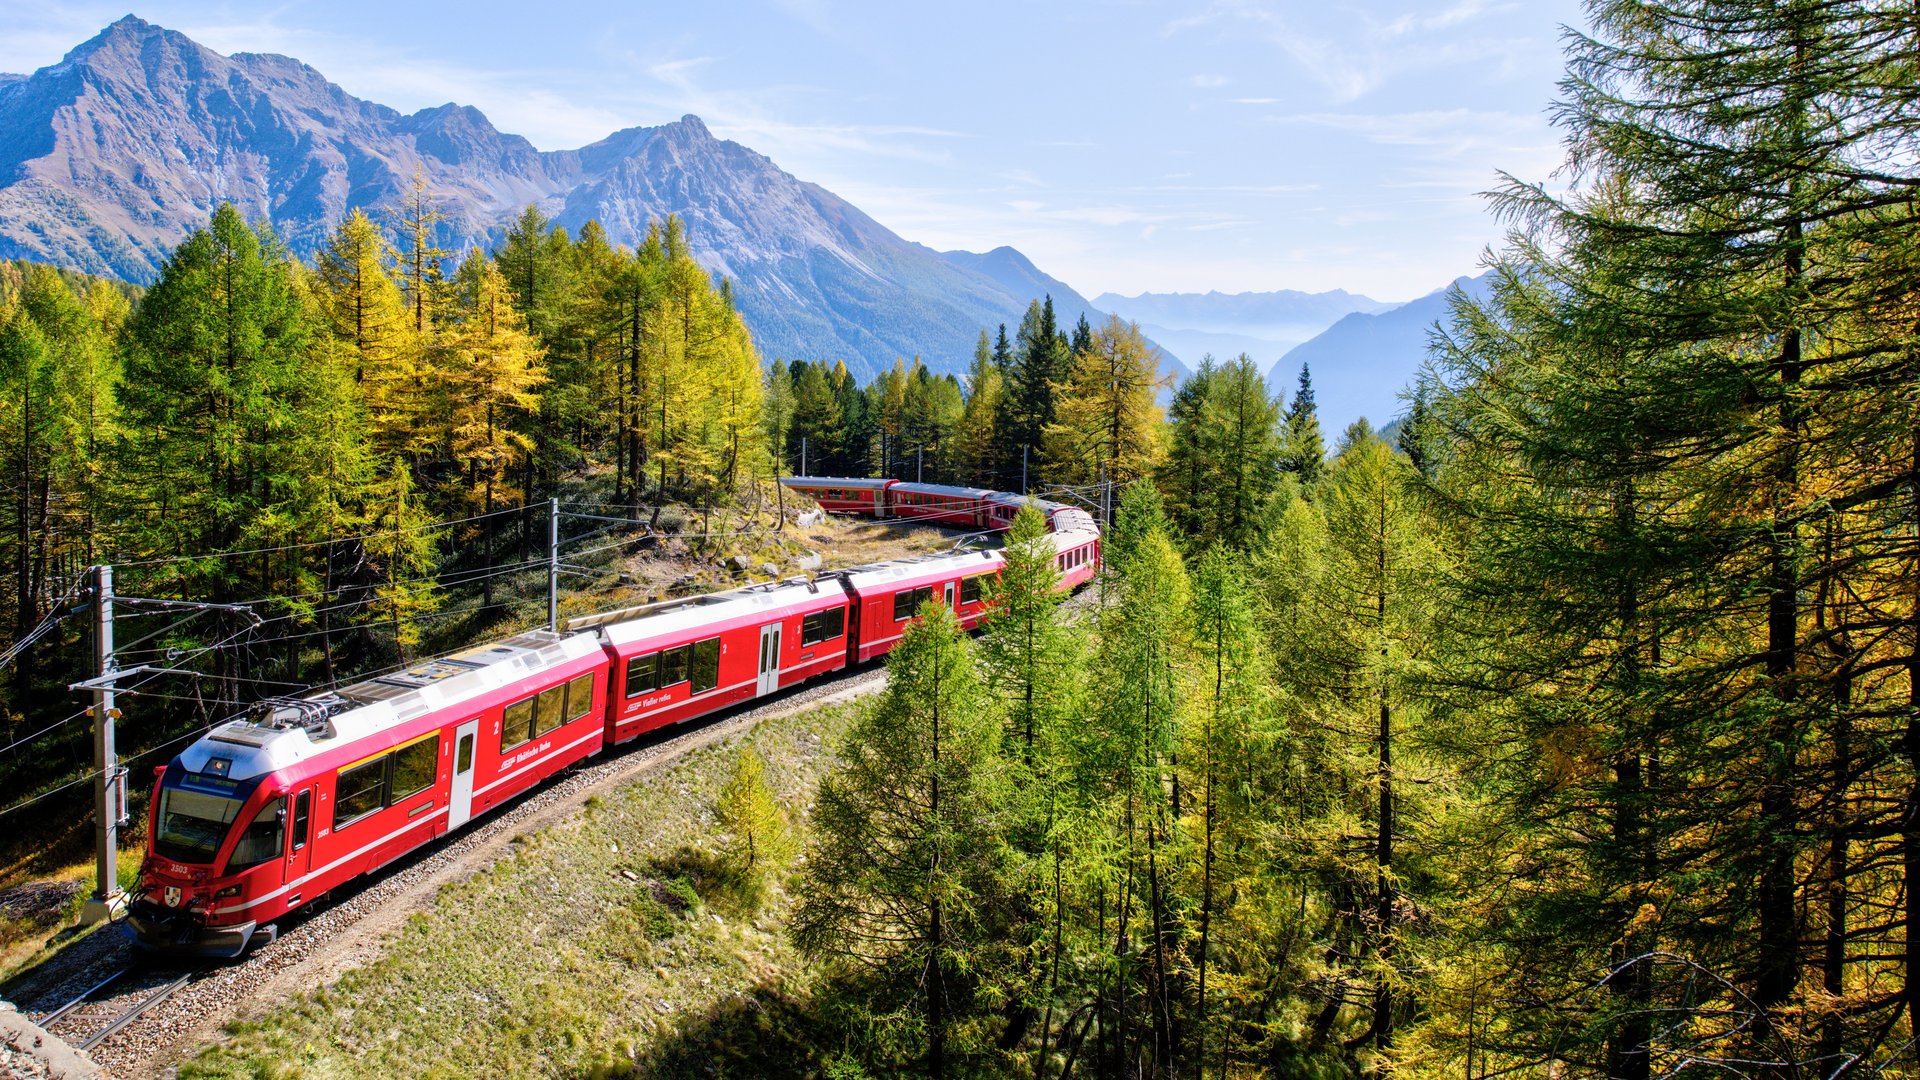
[{"x": 231, "y": 890}]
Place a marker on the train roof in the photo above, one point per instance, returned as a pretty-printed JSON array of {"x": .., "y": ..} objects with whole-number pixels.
[
  {"x": 833, "y": 481},
  {"x": 1067, "y": 538},
  {"x": 944, "y": 489},
  {"x": 657, "y": 620},
  {"x": 284, "y": 731},
  {"x": 898, "y": 571}
]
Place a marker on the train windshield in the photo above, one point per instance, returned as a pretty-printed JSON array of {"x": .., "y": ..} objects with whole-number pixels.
[{"x": 196, "y": 812}]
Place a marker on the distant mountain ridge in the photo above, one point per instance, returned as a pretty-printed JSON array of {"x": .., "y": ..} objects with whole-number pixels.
[
  {"x": 1361, "y": 364},
  {"x": 1252, "y": 314},
  {"x": 1016, "y": 274},
  {"x": 111, "y": 157},
  {"x": 1262, "y": 325}
]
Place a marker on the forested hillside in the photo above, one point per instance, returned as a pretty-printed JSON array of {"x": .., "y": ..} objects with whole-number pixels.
[
  {"x": 1573, "y": 733},
  {"x": 360, "y": 447}
]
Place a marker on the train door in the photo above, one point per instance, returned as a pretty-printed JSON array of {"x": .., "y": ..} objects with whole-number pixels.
[
  {"x": 300, "y": 835},
  {"x": 460, "y": 796},
  {"x": 769, "y": 658}
]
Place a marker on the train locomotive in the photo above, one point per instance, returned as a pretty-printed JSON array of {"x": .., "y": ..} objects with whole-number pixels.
[{"x": 267, "y": 813}]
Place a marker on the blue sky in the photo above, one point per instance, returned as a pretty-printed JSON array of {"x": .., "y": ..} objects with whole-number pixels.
[{"x": 1125, "y": 146}]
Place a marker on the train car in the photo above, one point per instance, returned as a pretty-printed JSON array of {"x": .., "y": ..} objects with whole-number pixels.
[
  {"x": 685, "y": 658},
  {"x": 966, "y": 507},
  {"x": 1000, "y": 509},
  {"x": 973, "y": 508},
  {"x": 1076, "y": 555},
  {"x": 843, "y": 494},
  {"x": 266, "y": 813},
  {"x": 888, "y": 595}
]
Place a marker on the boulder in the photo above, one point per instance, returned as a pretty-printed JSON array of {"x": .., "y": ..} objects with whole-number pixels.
[
  {"x": 809, "y": 518},
  {"x": 739, "y": 564},
  {"x": 767, "y": 569},
  {"x": 28, "y": 1050},
  {"x": 809, "y": 561}
]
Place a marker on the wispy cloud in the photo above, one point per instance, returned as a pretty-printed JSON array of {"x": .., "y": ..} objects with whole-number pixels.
[
  {"x": 1456, "y": 130},
  {"x": 1351, "y": 52}
]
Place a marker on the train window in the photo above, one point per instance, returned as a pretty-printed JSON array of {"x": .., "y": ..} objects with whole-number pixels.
[
  {"x": 580, "y": 697},
  {"x": 643, "y": 674},
  {"x": 193, "y": 822},
  {"x": 302, "y": 818},
  {"x": 550, "y": 709},
  {"x": 516, "y": 724},
  {"x": 973, "y": 589},
  {"x": 673, "y": 666},
  {"x": 359, "y": 791},
  {"x": 463, "y": 757},
  {"x": 706, "y": 665},
  {"x": 906, "y": 602},
  {"x": 415, "y": 767},
  {"x": 262, "y": 839},
  {"x": 823, "y": 626}
]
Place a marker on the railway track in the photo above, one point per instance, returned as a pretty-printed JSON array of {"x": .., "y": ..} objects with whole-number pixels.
[{"x": 96, "y": 1024}]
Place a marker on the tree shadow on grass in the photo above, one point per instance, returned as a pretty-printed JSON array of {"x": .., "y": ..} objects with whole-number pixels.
[
  {"x": 720, "y": 884},
  {"x": 764, "y": 1032}
]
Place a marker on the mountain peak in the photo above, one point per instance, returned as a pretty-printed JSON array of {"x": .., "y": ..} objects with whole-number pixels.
[
  {"x": 691, "y": 127},
  {"x": 128, "y": 30}
]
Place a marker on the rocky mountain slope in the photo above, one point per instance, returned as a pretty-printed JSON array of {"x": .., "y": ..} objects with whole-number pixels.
[{"x": 111, "y": 157}]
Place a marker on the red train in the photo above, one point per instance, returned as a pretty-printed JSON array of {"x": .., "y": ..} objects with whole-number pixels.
[{"x": 264, "y": 814}]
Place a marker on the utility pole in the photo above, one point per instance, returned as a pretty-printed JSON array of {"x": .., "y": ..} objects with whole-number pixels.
[
  {"x": 1023, "y": 470},
  {"x": 110, "y": 789},
  {"x": 107, "y": 900},
  {"x": 553, "y": 565},
  {"x": 803, "y": 455},
  {"x": 920, "y": 466}
]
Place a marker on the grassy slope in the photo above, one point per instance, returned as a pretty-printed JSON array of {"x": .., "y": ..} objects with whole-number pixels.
[{"x": 555, "y": 963}]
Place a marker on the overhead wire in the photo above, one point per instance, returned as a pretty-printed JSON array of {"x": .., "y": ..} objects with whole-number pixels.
[
  {"x": 428, "y": 527},
  {"x": 50, "y": 727},
  {"x": 54, "y": 618}
]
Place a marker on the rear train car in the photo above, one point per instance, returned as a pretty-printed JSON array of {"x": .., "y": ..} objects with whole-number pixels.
[{"x": 843, "y": 494}]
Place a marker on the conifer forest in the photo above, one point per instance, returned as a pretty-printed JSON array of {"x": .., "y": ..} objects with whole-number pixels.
[{"x": 1566, "y": 726}]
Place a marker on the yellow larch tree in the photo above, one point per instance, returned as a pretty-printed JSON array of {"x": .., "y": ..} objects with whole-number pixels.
[
  {"x": 366, "y": 315},
  {"x": 1108, "y": 427},
  {"x": 492, "y": 371}
]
